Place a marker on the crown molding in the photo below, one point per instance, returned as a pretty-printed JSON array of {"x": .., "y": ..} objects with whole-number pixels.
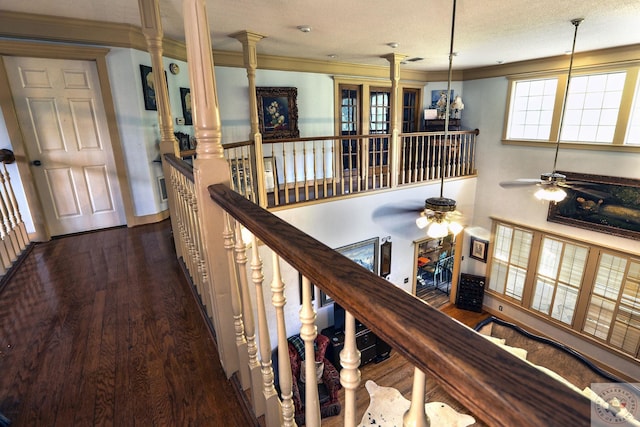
[
  {"x": 70, "y": 30},
  {"x": 614, "y": 55}
]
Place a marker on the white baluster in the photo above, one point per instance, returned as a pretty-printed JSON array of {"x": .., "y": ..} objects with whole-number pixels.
[
  {"x": 24, "y": 238},
  {"x": 350, "y": 374},
  {"x": 284, "y": 364},
  {"x": 416, "y": 415},
  {"x": 249, "y": 325},
  {"x": 236, "y": 306},
  {"x": 273, "y": 414},
  {"x": 308, "y": 333}
]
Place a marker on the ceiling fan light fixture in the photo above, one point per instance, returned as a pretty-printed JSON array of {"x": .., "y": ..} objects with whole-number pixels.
[
  {"x": 438, "y": 229},
  {"x": 551, "y": 194}
]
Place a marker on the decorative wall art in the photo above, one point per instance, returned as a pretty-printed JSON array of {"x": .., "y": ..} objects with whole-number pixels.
[
  {"x": 148, "y": 89},
  {"x": 606, "y": 204},
  {"x": 479, "y": 249},
  {"x": 278, "y": 112},
  {"x": 185, "y": 98},
  {"x": 364, "y": 253}
]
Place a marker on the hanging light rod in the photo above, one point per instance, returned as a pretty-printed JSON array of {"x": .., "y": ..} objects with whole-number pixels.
[
  {"x": 439, "y": 215},
  {"x": 551, "y": 191}
]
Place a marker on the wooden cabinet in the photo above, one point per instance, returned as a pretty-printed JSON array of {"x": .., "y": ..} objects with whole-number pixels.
[
  {"x": 437, "y": 125},
  {"x": 372, "y": 348}
]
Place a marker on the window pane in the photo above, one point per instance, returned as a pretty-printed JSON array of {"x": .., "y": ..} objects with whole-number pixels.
[
  {"x": 633, "y": 131},
  {"x": 515, "y": 282},
  {"x": 592, "y": 107},
  {"x": 532, "y": 105},
  {"x": 599, "y": 316},
  {"x": 543, "y": 296},
  {"x": 565, "y": 304}
]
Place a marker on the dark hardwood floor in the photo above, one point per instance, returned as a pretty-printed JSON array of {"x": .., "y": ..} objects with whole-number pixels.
[{"x": 102, "y": 329}]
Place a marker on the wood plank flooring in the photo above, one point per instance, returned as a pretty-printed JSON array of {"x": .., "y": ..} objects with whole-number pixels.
[{"x": 101, "y": 329}]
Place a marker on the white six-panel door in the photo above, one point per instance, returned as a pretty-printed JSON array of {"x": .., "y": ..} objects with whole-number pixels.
[{"x": 62, "y": 117}]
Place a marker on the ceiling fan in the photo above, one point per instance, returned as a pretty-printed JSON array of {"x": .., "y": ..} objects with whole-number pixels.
[{"x": 551, "y": 183}]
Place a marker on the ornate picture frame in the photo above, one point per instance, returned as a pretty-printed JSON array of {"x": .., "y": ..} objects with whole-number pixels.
[
  {"x": 278, "y": 112},
  {"x": 479, "y": 249},
  {"x": 602, "y": 203},
  {"x": 185, "y": 99},
  {"x": 364, "y": 253},
  {"x": 148, "y": 90}
]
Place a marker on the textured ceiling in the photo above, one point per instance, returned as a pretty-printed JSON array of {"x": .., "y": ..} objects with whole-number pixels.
[{"x": 357, "y": 31}]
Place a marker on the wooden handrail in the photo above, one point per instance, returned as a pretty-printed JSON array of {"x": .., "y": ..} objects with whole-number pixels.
[
  {"x": 183, "y": 167},
  {"x": 496, "y": 386},
  {"x": 327, "y": 138}
]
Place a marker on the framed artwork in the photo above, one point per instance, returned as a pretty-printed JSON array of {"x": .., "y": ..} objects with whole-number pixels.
[
  {"x": 437, "y": 94},
  {"x": 313, "y": 289},
  {"x": 385, "y": 258},
  {"x": 184, "y": 140},
  {"x": 479, "y": 249},
  {"x": 278, "y": 112},
  {"x": 148, "y": 89},
  {"x": 364, "y": 253},
  {"x": 185, "y": 98},
  {"x": 602, "y": 203}
]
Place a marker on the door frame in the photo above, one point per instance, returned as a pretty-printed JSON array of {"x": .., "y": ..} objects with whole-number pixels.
[
  {"x": 40, "y": 50},
  {"x": 457, "y": 259}
]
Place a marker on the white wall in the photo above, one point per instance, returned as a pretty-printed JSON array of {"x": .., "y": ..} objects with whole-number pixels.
[{"x": 139, "y": 130}]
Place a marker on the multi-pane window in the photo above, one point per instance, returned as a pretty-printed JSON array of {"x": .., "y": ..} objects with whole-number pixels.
[
  {"x": 633, "y": 131},
  {"x": 590, "y": 289},
  {"x": 592, "y": 107},
  {"x": 531, "y": 109},
  {"x": 558, "y": 279},
  {"x": 512, "y": 248},
  {"x": 595, "y": 105}
]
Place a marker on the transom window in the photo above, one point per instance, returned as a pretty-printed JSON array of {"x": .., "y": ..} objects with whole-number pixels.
[
  {"x": 592, "y": 107},
  {"x": 550, "y": 276},
  {"x": 597, "y": 106},
  {"x": 532, "y": 109}
]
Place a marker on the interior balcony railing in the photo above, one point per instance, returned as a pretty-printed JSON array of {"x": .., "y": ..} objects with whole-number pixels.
[
  {"x": 14, "y": 239},
  {"x": 306, "y": 169},
  {"x": 496, "y": 386}
]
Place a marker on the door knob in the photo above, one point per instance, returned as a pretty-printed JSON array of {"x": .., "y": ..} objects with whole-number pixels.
[{"x": 36, "y": 163}]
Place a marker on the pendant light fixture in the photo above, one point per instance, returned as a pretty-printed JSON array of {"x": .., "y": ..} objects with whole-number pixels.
[{"x": 439, "y": 215}]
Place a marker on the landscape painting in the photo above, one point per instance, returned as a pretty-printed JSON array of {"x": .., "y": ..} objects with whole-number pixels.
[{"x": 606, "y": 204}]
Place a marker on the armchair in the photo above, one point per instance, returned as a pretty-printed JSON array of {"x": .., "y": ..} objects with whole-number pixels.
[{"x": 328, "y": 386}]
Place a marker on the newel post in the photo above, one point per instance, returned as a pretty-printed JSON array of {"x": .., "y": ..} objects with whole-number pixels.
[
  {"x": 396, "y": 107},
  {"x": 249, "y": 41},
  {"x": 210, "y": 167}
]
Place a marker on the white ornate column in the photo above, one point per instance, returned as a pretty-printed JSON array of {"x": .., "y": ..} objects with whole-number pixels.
[
  {"x": 152, "y": 30},
  {"x": 396, "y": 107},
  {"x": 250, "y": 55},
  {"x": 209, "y": 168}
]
